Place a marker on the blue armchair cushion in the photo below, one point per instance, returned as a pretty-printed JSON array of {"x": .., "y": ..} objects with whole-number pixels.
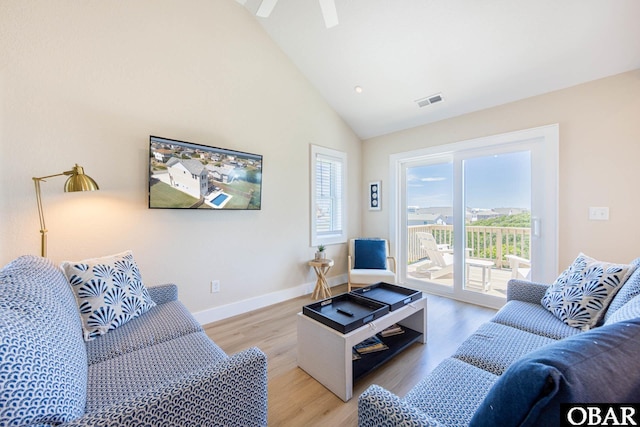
[
  {"x": 109, "y": 292},
  {"x": 582, "y": 293},
  {"x": 164, "y": 322},
  {"x": 43, "y": 362},
  {"x": 370, "y": 254},
  {"x": 580, "y": 369},
  {"x": 630, "y": 289},
  {"x": 630, "y": 310}
]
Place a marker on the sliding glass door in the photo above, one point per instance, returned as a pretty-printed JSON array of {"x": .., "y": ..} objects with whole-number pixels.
[
  {"x": 496, "y": 189},
  {"x": 429, "y": 188},
  {"x": 475, "y": 214}
]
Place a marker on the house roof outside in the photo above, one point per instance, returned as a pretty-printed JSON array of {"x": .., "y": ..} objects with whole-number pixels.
[
  {"x": 510, "y": 211},
  {"x": 222, "y": 170},
  {"x": 440, "y": 210},
  {"x": 195, "y": 167},
  {"x": 424, "y": 218}
]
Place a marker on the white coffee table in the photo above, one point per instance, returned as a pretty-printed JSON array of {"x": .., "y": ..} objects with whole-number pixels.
[{"x": 326, "y": 354}]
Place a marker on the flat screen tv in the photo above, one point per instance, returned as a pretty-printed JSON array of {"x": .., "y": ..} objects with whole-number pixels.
[{"x": 184, "y": 175}]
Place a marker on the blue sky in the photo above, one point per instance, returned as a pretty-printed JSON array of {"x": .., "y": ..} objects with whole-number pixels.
[{"x": 490, "y": 182}]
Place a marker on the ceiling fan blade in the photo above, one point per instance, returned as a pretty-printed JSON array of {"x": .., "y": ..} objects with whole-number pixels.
[
  {"x": 266, "y": 7},
  {"x": 329, "y": 12}
]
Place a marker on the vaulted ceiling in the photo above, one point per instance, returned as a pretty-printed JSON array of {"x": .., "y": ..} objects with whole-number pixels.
[{"x": 475, "y": 53}]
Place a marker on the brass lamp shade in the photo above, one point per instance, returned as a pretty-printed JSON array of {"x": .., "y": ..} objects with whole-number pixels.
[{"x": 77, "y": 181}]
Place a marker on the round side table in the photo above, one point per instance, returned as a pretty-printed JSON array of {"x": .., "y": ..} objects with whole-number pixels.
[{"x": 321, "y": 266}]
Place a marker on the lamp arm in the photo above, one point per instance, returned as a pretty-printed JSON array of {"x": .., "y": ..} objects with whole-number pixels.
[
  {"x": 36, "y": 180},
  {"x": 42, "y": 178},
  {"x": 43, "y": 227}
]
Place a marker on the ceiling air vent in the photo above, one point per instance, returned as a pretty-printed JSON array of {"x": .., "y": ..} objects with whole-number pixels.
[{"x": 433, "y": 99}]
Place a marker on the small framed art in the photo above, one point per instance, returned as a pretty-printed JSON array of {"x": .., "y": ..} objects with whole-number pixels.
[{"x": 374, "y": 196}]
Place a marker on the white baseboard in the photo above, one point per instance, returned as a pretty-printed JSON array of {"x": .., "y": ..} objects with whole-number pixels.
[{"x": 229, "y": 310}]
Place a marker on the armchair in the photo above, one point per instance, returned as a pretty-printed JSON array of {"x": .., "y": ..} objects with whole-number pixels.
[
  {"x": 520, "y": 267},
  {"x": 369, "y": 262},
  {"x": 440, "y": 256}
]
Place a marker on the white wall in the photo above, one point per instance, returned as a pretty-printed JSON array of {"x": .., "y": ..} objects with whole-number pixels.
[
  {"x": 88, "y": 82},
  {"x": 599, "y": 155}
]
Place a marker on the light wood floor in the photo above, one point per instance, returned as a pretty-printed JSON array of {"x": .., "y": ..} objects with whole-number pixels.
[{"x": 296, "y": 399}]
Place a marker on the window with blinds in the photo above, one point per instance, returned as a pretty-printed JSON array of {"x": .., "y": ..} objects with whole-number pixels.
[{"x": 328, "y": 169}]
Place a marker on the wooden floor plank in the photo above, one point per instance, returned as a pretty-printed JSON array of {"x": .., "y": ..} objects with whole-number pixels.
[{"x": 296, "y": 399}]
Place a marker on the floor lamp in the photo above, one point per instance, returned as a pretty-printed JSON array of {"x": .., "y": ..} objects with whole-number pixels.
[{"x": 77, "y": 181}]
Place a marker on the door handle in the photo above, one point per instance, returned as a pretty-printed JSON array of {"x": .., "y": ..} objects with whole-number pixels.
[{"x": 535, "y": 225}]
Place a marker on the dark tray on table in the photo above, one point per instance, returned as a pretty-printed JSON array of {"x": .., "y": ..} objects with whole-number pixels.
[
  {"x": 393, "y": 295},
  {"x": 330, "y": 311}
]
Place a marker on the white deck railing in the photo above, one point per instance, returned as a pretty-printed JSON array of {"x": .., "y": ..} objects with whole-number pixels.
[{"x": 490, "y": 243}]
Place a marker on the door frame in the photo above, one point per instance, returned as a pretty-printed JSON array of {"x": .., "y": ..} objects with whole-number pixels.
[{"x": 544, "y": 141}]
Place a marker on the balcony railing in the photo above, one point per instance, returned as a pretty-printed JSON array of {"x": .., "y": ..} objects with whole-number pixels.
[{"x": 490, "y": 243}]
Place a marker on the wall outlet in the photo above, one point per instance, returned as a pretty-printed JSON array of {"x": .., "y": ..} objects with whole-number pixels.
[
  {"x": 215, "y": 286},
  {"x": 599, "y": 213}
]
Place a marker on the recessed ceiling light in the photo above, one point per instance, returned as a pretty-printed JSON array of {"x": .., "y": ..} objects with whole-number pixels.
[{"x": 358, "y": 89}]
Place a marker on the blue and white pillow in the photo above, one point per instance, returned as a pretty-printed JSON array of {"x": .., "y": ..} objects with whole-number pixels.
[
  {"x": 581, "y": 294},
  {"x": 109, "y": 292}
]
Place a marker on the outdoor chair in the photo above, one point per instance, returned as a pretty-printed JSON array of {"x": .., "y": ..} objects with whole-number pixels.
[
  {"x": 520, "y": 267},
  {"x": 440, "y": 256},
  {"x": 369, "y": 262},
  {"x": 441, "y": 261}
]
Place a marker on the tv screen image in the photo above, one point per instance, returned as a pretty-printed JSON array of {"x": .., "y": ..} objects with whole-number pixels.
[{"x": 185, "y": 175}]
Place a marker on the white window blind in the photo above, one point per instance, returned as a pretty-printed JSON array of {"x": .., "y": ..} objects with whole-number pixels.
[{"x": 328, "y": 196}]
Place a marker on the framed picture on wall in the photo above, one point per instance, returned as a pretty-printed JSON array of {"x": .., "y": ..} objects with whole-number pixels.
[{"x": 374, "y": 196}]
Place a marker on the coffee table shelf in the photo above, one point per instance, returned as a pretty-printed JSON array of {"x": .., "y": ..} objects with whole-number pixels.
[
  {"x": 326, "y": 354},
  {"x": 396, "y": 343}
]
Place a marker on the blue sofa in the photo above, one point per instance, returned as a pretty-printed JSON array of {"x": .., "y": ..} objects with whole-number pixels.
[
  {"x": 159, "y": 369},
  {"x": 517, "y": 369}
]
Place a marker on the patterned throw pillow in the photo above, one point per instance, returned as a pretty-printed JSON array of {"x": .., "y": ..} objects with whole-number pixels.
[
  {"x": 581, "y": 294},
  {"x": 109, "y": 292}
]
